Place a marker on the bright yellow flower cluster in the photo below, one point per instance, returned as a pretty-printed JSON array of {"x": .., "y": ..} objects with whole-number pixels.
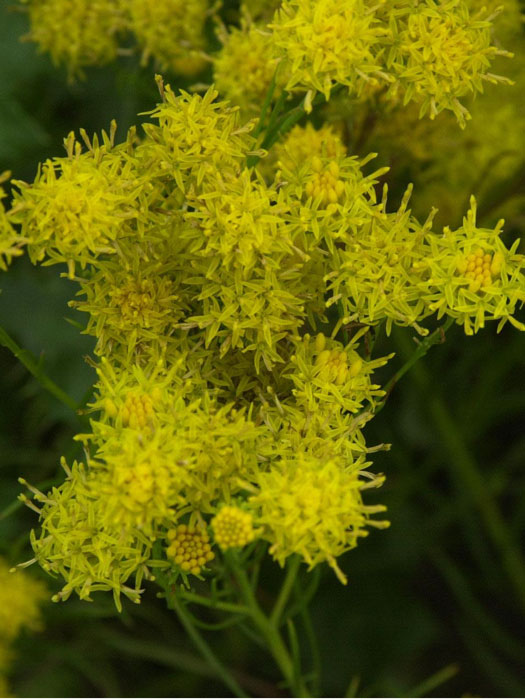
[
  {"x": 170, "y": 31},
  {"x": 198, "y": 278},
  {"x": 388, "y": 266},
  {"x": 189, "y": 547},
  {"x": 328, "y": 42},
  {"x": 434, "y": 53},
  {"x": 431, "y": 52},
  {"x": 20, "y": 599},
  {"x": 231, "y": 399},
  {"x": 446, "y": 164},
  {"x": 312, "y": 507},
  {"x": 80, "y": 33},
  {"x": 232, "y": 527}
]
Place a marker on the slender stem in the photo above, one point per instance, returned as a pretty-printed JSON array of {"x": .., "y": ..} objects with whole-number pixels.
[
  {"x": 438, "y": 336},
  {"x": 215, "y": 604},
  {"x": 31, "y": 363},
  {"x": 304, "y": 612},
  {"x": 286, "y": 589},
  {"x": 203, "y": 647},
  {"x": 266, "y": 104},
  {"x": 268, "y": 630},
  {"x": 277, "y": 128},
  {"x": 274, "y": 116},
  {"x": 285, "y": 124},
  {"x": 253, "y": 159}
]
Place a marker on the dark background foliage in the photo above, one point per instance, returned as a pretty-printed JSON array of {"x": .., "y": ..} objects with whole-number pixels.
[{"x": 434, "y": 606}]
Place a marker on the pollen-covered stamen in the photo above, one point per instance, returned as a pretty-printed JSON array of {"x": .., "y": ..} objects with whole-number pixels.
[
  {"x": 189, "y": 548},
  {"x": 480, "y": 268},
  {"x": 325, "y": 183},
  {"x": 232, "y": 527}
]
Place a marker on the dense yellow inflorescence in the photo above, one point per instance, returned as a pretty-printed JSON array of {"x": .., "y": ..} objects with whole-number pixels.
[
  {"x": 170, "y": 31},
  {"x": 190, "y": 548},
  {"x": 232, "y": 306},
  {"x": 232, "y": 527}
]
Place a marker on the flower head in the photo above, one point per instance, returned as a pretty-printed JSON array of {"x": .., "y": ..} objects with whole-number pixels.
[
  {"x": 20, "y": 600},
  {"x": 244, "y": 67},
  {"x": 232, "y": 527},
  {"x": 171, "y": 31},
  {"x": 441, "y": 52},
  {"x": 78, "y": 33},
  {"x": 474, "y": 277},
  {"x": 77, "y": 542},
  {"x": 313, "y": 508},
  {"x": 326, "y": 42},
  {"x": 189, "y": 548}
]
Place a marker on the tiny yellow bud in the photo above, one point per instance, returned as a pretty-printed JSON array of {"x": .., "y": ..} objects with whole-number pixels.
[{"x": 320, "y": 342}]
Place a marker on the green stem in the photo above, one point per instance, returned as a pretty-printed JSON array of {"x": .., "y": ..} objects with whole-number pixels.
[
  {"x": 267, "y": 629},
  {"x": 215, "y": 604},
  {"x": 438, "y": 336},
  {"x": 202, "y": 646},
  {"x": 277, "y": 128},
  {"x": 266, "y": 104},
  {"x": 286, "y": 589},
  {"x": 466, "y": 468},
  {"x": 304, "y": 612},
  {"x": 31, "y": 363}
]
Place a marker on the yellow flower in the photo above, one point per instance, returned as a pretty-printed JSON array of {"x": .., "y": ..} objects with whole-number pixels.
[
  {"x": 474, "y": 277},
  {"x": 304, "y": 142},
  {"x": 20, "y": 600},
  {"x": 170, "y": 31},
  {"x": 78, "y": 205},
  {"x": 440, "y": 52},
  {"x": 133, "y": 304},
  {"x": 78, "y": 33},
  {"x": 77, "y": 542},
  {"x": 189, "y": 547},
  {"x": 314, "y": 508},
  {"x": 232, "y": 527},
  {"x": 326, "y": 42}
]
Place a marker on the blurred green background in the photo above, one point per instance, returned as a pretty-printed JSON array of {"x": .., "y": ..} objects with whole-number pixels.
[{"x": 441, "y": 592}]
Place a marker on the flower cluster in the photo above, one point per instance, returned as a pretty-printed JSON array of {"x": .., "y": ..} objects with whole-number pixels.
[
  {"x": 426, "y": 51},
  {"x": 231, "y": 305},
  {"x": 198, "y": 278},
  {"x": 432, "y": 52},
  {"x": 20, "y": 600},
  {"x": 446, "y": 164},
  {"x": 89, "y": 32}
]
